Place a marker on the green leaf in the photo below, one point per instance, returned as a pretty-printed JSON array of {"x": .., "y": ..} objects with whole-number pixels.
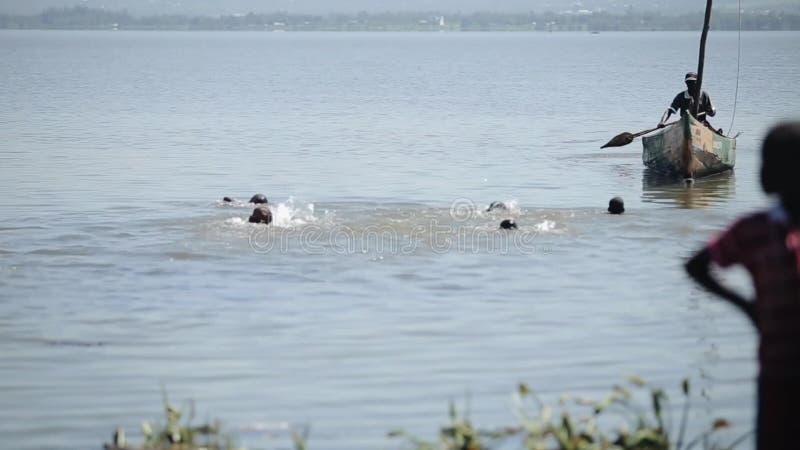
[
  {"x": 659, "y": 396},
  {"x": 637, "y": 380},
  {"x": 547, "y": 413},
  {"x": 601, "y": 406},
  {"x": 567, "y": 425},
  {"x": 621, "y": 391},
  {"x": 299, "y": 441}
]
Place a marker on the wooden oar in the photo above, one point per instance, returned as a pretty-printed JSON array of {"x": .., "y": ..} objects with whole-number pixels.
[{"x": 626, "y": 138}]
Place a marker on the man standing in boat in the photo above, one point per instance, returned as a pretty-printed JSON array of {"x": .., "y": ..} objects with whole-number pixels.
[{"x": 684, "y": 100}]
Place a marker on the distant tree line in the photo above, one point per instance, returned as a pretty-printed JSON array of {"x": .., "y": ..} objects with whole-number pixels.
[{"x": 81, "y": 17}]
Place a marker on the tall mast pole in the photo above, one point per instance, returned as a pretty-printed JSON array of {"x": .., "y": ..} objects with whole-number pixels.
[{"x": 701, "y": 62}]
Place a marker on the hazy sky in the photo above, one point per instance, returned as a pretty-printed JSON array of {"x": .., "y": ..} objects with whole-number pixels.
[{"x": 215, "y": 7}]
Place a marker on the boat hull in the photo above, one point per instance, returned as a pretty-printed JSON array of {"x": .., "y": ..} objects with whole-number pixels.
[{"x": 688, "y": 149}]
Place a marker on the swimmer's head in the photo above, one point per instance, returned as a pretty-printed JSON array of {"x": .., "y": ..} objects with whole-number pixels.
[
  {"x": 259, "y": 199},
  {"x": 497, "y": 205},
  {"x": 262, "y": 214},
  {"x": 616, "y": 205},
  {"x": 508, "y": 224}
]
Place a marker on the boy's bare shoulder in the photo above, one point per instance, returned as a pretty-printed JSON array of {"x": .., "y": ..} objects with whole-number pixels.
[{"x": 756, "y": 230}]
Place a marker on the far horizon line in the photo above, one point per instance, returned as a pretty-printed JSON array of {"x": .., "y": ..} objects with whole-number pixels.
[
  {"x": 356, "y": 13},
  {"x": 83, "y": 17}
]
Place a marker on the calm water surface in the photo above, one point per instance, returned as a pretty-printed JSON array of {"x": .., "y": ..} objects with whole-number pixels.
[{"x": 120, "y": 269}]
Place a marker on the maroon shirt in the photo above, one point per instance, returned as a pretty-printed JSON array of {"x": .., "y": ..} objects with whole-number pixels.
[{"x": 768, "y": 246}]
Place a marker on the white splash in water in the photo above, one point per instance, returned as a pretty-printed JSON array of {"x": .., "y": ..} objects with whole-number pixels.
[
  {"x": 512, "y": 208},
  {"x": 546, "y": 225},
  {"x": 286, "y": 214}
]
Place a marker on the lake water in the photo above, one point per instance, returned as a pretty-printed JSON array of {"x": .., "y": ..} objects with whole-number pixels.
[{"x": 383, "y": 290}]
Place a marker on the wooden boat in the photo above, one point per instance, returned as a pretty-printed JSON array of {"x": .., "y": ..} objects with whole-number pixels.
[{"x": 689, "y": 149}]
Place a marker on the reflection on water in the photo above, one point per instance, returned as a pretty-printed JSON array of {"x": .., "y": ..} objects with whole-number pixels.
[{"x": 702, "y": 193}]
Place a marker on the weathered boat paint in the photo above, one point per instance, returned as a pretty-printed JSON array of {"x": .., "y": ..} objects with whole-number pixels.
[{"x": 688, "y": 149}]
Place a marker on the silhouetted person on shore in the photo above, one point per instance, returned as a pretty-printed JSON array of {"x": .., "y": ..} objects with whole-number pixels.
[{"x": 767, "y": 244}]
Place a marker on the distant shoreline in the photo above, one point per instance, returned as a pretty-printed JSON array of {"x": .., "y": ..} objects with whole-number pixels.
[
  {"x": 198, "y": 30},
  {"x": 83, "y": 18}
]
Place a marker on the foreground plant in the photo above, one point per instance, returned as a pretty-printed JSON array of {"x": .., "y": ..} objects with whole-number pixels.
[
  {"x": 173, "y": 435},
  {"x": 541, "y": 428}
]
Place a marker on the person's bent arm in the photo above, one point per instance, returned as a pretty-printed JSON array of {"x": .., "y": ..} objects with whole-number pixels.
[
  {"x": 699, "y": 268},
  {"x": 665, "y": 117},
  {"x": 709, "y": 107}
]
